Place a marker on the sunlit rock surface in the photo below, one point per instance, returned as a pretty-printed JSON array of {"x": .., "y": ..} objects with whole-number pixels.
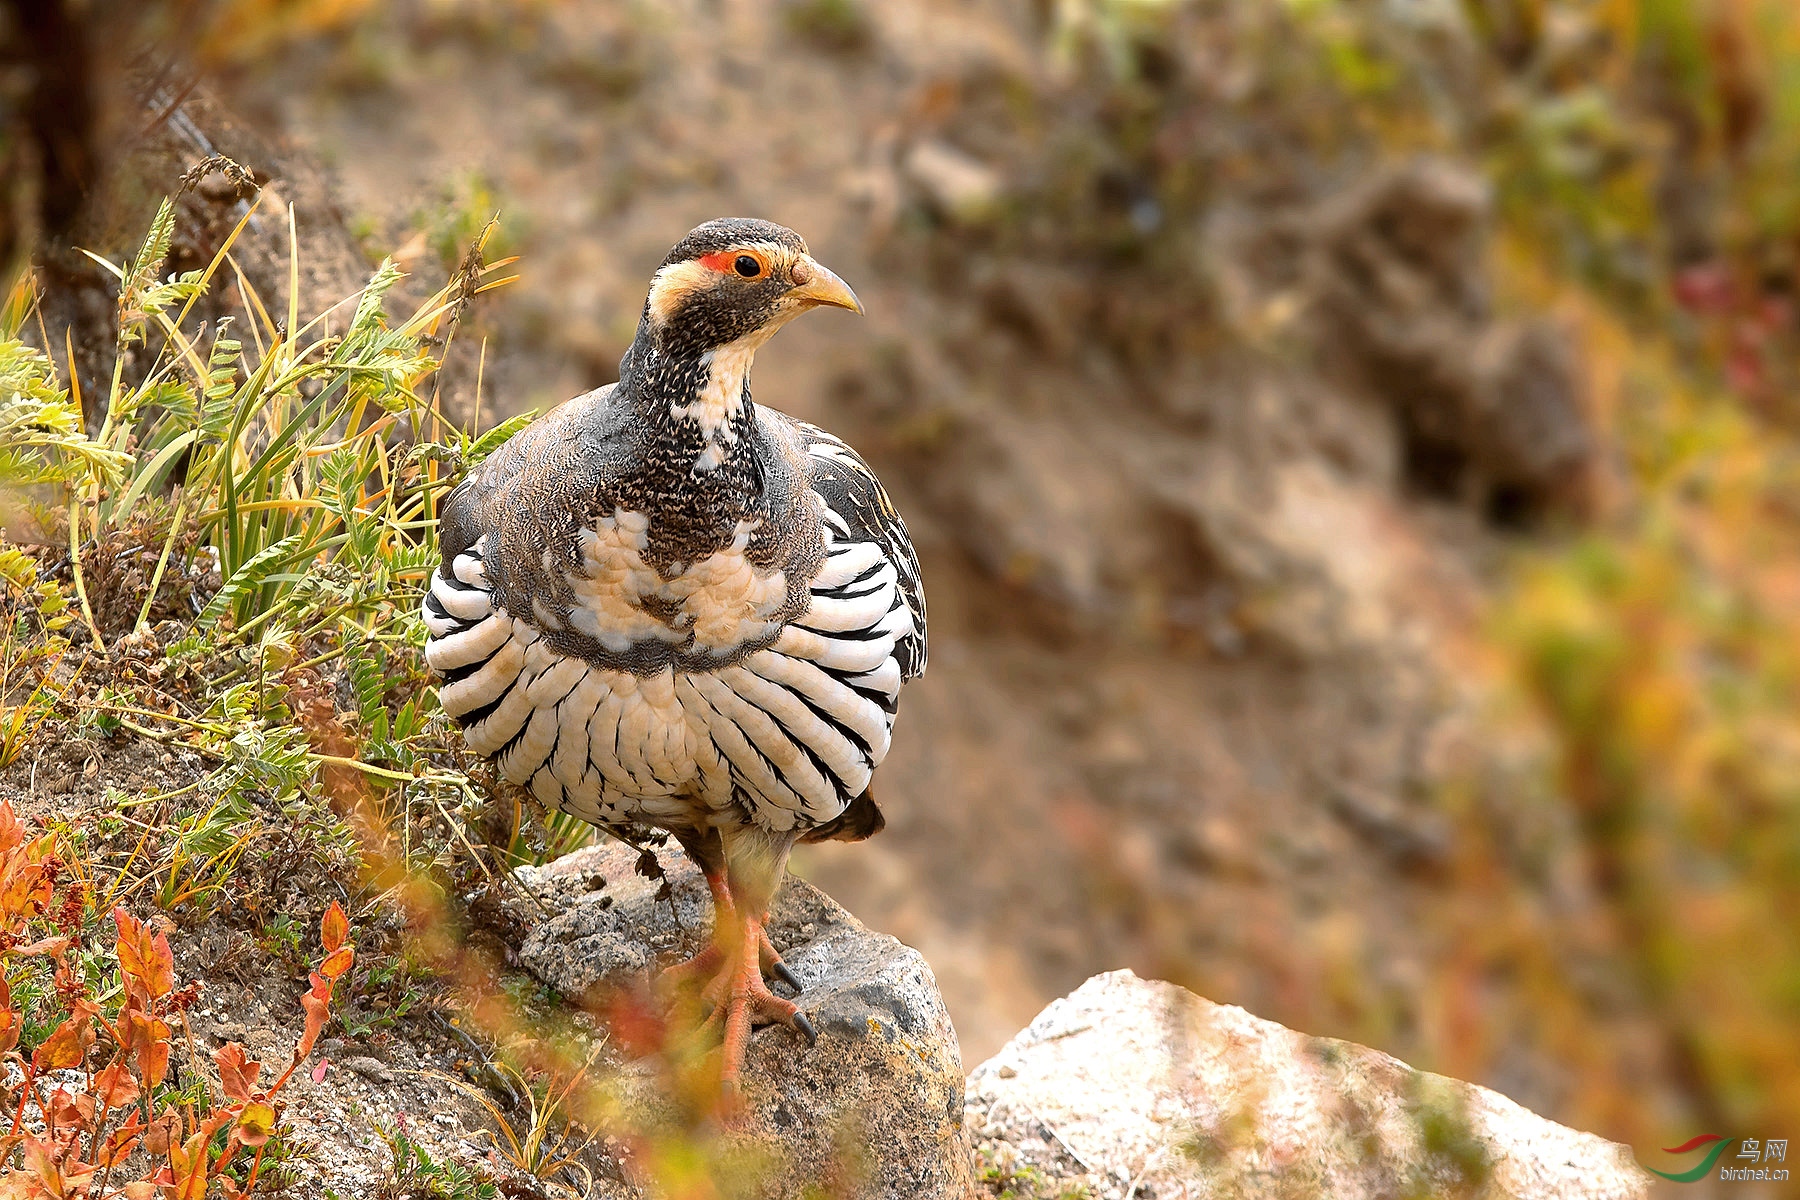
[{"x": 1141, "y": 1088}]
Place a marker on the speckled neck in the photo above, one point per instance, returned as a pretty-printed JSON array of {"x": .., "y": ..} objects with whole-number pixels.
[{"x": 698, "y": 476}]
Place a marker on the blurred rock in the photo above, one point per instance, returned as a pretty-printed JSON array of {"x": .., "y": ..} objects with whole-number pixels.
[
  {"x": 958, "y": 187},
  {"x": 1140, "y": 1088},
  {"x": 876, "y": 1106},
  {"x": 1388, "y": 279},
  {"x": 1491, "y": 410}
]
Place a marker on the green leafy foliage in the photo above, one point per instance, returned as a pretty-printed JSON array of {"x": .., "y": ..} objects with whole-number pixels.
[
  {"x": 41, "y": 437},
  {"x": 415, "y": 1175}
]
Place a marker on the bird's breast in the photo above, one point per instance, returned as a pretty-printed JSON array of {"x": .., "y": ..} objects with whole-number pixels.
[{"x": 713, "y": 605}]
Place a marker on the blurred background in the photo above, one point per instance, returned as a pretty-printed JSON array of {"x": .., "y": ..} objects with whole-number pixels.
[{"x": 1353, "y": 446}]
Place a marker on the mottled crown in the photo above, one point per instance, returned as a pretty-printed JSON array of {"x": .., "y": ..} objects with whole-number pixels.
[{"x": 728, "y": 232}]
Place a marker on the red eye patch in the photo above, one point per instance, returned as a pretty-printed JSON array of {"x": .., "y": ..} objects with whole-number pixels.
[{"x": 748, "y": 263}]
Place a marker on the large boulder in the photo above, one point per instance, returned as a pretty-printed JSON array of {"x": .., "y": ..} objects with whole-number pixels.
[
  {"x": 1137, "y": 1088},
  {"x": 875, "y": 1109}
]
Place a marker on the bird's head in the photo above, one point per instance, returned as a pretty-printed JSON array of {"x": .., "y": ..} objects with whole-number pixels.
[{"x": 735, "y": 282}]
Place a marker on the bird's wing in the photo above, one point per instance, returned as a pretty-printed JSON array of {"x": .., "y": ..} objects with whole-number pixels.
[
  {"x": 863, "y": 513},
  {"x": 531, "y": 494}
]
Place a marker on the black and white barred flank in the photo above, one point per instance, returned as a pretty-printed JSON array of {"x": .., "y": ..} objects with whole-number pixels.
[{"x": 787, "y": 735}]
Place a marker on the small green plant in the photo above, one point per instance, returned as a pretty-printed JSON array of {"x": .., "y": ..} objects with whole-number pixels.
[
  {"x": 549, "y": 1142},
  {"x": 415, "y": 1175},
  {"x": 461, "y": 217},
  {"x": 1027, "y": 1183},
  {"x": 35, "y": 612}
]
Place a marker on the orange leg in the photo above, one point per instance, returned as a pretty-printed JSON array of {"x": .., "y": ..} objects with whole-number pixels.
[
  {"x": 705, "y": 966},
  {"x": 730, "y": 970},
  {"x": 745, "y": 996}
]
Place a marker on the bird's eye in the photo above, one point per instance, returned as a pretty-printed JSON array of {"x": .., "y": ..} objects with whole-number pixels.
[{"x": 748, "y": 267}]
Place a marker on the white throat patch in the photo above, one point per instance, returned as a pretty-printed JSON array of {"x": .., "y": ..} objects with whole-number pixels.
[{"x": 721, "y": 397}]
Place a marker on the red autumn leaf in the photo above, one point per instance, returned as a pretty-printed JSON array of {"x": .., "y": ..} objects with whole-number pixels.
[
  {"x": 318, "y": 1072},
  {"x": 237, "y": 1073},
  {"x": 256, "y": 1124},
  {"x": 337, "y": 962},
  {"x": 114, "y": 1087},
  {"x": 66, "y": 1046},
  {"x": 148, "y": 1039},
  {"x": 334, "y": 927},
  {"x": 144, "y": 958},
  {"x": 143, "y": 1189},
  {"x": 317, "y": 1003}
]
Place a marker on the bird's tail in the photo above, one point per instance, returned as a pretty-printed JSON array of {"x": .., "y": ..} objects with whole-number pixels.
[{"x": 862, "y": 819}]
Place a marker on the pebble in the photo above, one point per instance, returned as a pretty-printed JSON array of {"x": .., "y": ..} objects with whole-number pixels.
[{"x": 370, "y": 1068}]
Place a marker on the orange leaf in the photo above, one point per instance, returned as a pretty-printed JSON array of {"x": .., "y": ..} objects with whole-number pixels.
[
  {"x": 11, "y": 1021},
  {"x": 114, "y": 1087},
  {"x": 53, "y": 945},
  {"x": 256, "y": 1124},
  {"x": 334, "y": 927},
  {"x": 237, "y": 1073},
  {"x": 66, "y": 1110},
  {"x": 317, "y": 1003},
  {"x": 148, "y": 1039},
  {"x": 121, "y": 1142},
  {"x": 337, "y": 962},
  {"x": 163, "y": 1133},
  {"x": 40, "y": 1160},
  {"x": 187, "y": 1165},
  {"x": 66, "y": 1046},
  {"x": 11, "y": 832},
  {"x": 144, "y": 959}
]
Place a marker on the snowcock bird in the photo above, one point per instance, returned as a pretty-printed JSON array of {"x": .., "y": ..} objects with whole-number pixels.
[{"x": 663, "y": 605}]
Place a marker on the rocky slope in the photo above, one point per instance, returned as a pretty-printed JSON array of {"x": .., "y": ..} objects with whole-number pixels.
[
  {"x": 1202, "y": 411},
  {"x": 1208, "y": 438}
]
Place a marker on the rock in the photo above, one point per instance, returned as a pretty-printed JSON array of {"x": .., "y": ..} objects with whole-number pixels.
[
  {"x": 1140, "y": 1088},
  {"x": 958, "y": 187},
  {"x": 1389, "y": 280},
  {"x": 370, "y": 1068},
  {"x": 886, "y": 1076},
  {"x": 1398, "y": 266}
]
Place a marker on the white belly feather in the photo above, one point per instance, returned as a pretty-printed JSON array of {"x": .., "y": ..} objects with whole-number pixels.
[{"x": 791, "y": 732}]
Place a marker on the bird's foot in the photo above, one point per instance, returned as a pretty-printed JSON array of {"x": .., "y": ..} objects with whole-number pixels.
[
  {"x": 741, "y": 999},
  {"x": 704, "y": 968}
]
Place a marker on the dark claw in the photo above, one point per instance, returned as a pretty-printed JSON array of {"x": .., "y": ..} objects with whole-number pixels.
[
  {"x": 781, "y": 972},
  {"x": 805, "y": 1025}
]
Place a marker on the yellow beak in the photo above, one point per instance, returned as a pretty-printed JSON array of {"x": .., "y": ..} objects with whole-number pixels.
[{"x": 820, "y": 286}]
